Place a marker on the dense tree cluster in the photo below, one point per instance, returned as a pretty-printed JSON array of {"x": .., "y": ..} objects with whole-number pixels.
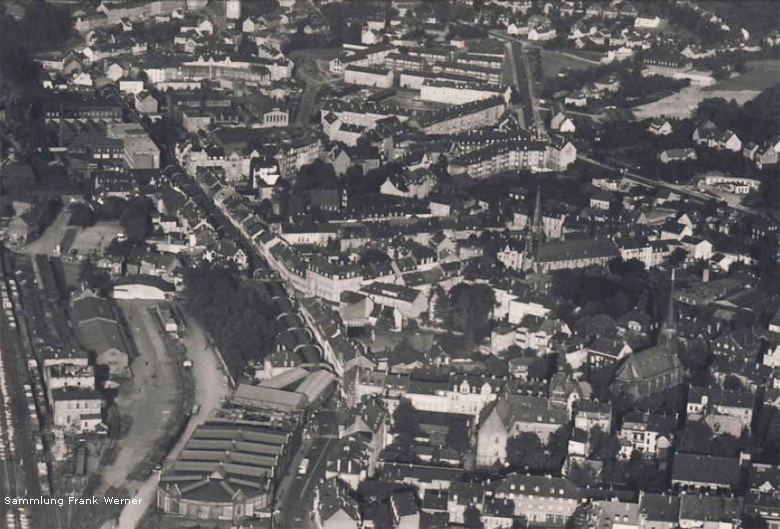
[
  {"x": 526, "y": 451},
  {"x": 699, "y": 438},
  {"x": 467, "y": 308},
  {"x": 237, "y": 314},
  {"x": 637, "y": 473},
  {"x": 43, "y": 26},
  {"x": 82, "y": 215},
  {"x": 748, "y": 14},
  {"x": 757, "y": 120},
  {"x": 317, "y": 175},
  {"x": 695, "y": 22},
  {"x": 359, "y": 184},
  {"x": 136, "y": 219},
  {"x": 95, "y": 279},
  {"x": 611, "y": 295}
]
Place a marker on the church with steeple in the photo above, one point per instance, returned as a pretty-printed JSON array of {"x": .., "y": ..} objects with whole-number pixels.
[{"x": 655, "y": 369}]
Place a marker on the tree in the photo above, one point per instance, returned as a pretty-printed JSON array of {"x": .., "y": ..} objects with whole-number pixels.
[
  {"x": 694, "y": 438},
  {"x": 7, "y": 210},
  {"x": 733, "y": 383},
  {"x": 443, "y": 307},
  {"x": 695, "y": 355},
  {"x": 82, "y": 215},
  {"x": 247, "y": 47},
  {"x": 472, "y": 308},
  {"x": 603, "y": 446},
  {"x": 317, "y": 175},
  {"x": 582, "y": 475},
  {"x": 458, "y": 437},
  {"x": 136, "y": 219},
  {"x": 121, "y": 249},
  {"x": 111, "y": 209},
  {"x": 405, "y": 421},
  {"x": 472, "y": 518},
  {"x": 678, "y": 257},
  {"x": 524, "y": 450},
  {"x": 558, "y": 447}
]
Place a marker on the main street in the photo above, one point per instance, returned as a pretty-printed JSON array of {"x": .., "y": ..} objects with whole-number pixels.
[
  {"x": 524, "y": 82},
  {"x": 296, "y": 495}
]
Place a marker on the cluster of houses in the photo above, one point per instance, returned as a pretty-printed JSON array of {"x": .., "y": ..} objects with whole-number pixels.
[{"x": 708, "y": 489}]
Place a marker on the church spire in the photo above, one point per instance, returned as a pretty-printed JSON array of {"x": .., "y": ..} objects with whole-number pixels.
[
  {"x": 668, "y": 337},
  {"x": 537, "y": 224}
]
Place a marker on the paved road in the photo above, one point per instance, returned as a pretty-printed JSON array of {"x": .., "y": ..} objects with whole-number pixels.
[
  {"x": 206, "y": 372},
  {"x": 523, "y": 81},
  {"x": 297, "y": 498},
  {"x": 52, "y": 236},
  {"x": 309, "y": 96},
  {"x": 152, "y": 397},
  {"x": 511, "y": 64}
]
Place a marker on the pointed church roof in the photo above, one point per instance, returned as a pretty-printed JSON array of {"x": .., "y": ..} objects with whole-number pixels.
[
  {"x": 647, "y": 364},
  {"x": 658, "y": 359}
]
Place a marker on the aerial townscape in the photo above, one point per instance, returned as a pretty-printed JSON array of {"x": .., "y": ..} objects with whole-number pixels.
[{"x": 389, "y": 264}]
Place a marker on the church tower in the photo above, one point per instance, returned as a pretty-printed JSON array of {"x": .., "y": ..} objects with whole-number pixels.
[
  {"x": 668, "y": 338},
  {"x": 536, "y": 231}
]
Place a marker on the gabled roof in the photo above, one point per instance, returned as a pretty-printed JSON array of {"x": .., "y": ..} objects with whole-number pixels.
[{"x": 647, "y": 364}]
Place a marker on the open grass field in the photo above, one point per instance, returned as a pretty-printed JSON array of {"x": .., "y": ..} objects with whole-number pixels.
[
  {"x": 96, "y": 238},
  {"x": 555, "y": 61},
  {"x": 684, "y": 103},
  {"x": 760, "y": 75}
]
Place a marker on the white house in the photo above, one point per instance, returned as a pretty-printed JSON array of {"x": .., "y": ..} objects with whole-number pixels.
[
  {"x": 368, "y": 37},
  {"x": 131, "y": 87},
  {"x": 517, "y": 28},
  {"x": 541, "y": 34},
  {"x": 562, "y": 123},
  {"x": 647, "y": 22},
  {"x": 697, "y": 248},
  {"x": 115, "y": 72},
  {"x": 82, "y": 79}
]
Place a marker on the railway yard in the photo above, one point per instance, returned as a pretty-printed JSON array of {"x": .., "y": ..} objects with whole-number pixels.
[{"x": 25, "y": 458}]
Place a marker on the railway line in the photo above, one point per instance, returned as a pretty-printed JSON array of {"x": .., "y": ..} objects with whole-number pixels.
[{"x": 26, "y": 463}]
